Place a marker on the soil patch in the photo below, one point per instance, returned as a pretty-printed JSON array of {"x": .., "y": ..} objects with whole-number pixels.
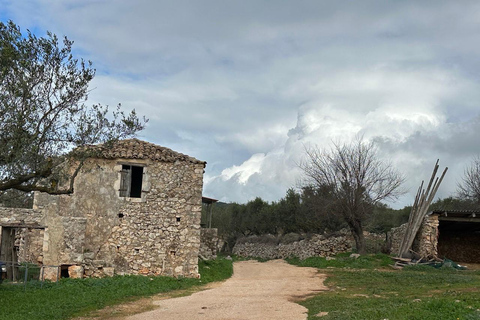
[{"x": 257, "y": 290}]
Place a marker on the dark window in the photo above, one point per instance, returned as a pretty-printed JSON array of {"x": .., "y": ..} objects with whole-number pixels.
[{"x": 131, "y": 181}]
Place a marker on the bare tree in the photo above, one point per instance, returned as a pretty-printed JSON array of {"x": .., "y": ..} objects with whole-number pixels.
[
  {"x": 469, "y": 188},
  {"x": 358, "y": 178}
]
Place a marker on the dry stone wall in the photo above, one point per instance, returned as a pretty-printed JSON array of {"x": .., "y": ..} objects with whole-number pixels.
[
  {"x": 209, "y": 242},
  {"x": 316, "y": 246},
  {"x": 425, "y": 243}
]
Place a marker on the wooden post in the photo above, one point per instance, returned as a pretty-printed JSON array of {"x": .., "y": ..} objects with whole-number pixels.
[{"x": 419, "y": 210}]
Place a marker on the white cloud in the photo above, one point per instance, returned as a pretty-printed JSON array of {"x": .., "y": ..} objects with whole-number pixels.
[{"x": 245, "y": 85}]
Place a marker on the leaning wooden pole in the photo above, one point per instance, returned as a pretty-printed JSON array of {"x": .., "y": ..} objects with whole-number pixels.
[{"x": 419, "y": 210}]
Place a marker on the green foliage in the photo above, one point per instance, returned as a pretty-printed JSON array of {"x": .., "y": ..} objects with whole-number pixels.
[
  {"x": 16, "y": 199},
  {"x": 452, "y": 203},
  {"x": 215, "y": 270},
  {"x": 361, "y": 289},
  {"x": 385, "y": 218},
  {"x": 43, "y": 90},
  {"x": 306, "y": 211},
  {"x": 71, "y": 297}
]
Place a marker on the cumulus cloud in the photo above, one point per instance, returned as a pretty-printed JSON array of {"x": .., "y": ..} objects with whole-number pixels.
[{"x": 247, "y": 85}]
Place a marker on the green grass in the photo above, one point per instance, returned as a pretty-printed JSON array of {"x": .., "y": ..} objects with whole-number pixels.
[
  {"x": 344, "y": 261},
  {"x": 73, "y": 297},
  {"x": 361, "y": 289},
  {"x": 239, "y": 258}
]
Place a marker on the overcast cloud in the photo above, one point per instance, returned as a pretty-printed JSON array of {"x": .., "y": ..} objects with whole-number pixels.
[{"x": 245, "y": 85}]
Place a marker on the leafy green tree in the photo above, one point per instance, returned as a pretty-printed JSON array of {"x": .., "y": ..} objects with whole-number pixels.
[
  {"x": 384, "y": 218},
  {"x": 43, "y": 111},
  {"x": 287, "y": 212},
  {"x": 453, "y": 203}
]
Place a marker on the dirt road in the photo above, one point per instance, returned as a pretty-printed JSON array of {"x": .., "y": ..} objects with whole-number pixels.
[{"x": 256, "y": 291}]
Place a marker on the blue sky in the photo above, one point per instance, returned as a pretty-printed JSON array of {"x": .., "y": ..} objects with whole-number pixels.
[{"x": 246, "y": 85}]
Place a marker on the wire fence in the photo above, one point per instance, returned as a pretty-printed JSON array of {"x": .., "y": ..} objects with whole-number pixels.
[{"x": 27, "y": 274}]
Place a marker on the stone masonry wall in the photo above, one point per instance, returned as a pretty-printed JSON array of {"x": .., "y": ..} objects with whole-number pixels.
[
  {"x": 10, "y": 216},
  {"x": 28, "y": 242},
  {"x": 105, "y": 234},
  {"x": 30, "y": 245},
  {"x": 425, "y": 243},
  {"x": 208, "y": 243},
  {"x": 318, "y": 245}
]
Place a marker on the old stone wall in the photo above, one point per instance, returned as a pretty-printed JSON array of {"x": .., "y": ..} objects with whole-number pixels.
[
  {"x": 105, "y": 234},
  {"x": 425, "y": 243},
  {"x": 208, "y": 243},
  {"x": 428, "y": 237},
  {"x": 317, "y": 245},
  {"x": 20, "y": 216},
  {"x": 29, "y": 245},
  {"x": 28, "y": 235},
  {"x": 395, "y": 236}
]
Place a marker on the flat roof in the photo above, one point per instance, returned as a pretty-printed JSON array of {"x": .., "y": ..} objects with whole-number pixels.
[{"x": 208, "y": 200}]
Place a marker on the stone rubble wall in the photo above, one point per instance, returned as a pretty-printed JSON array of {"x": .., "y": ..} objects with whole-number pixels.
[
  {"x": 30, "y": 245},
  {"x": 316, "y": 246},
  {"x": 425, "y": 243},
  {"x": 28, "y": 242},
  {"x": 428, "y": 237},
  {"x": 208, "y": 243},
  {"x": 395, "y": 236},
  {"x": 160, "y": 236},
  {"x": 10, "y": 216},
  {"x": 99, "y": 233}
]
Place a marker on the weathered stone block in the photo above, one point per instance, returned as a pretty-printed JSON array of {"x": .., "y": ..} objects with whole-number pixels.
[
  {"x": 109, "y": 271},
  {"x": 75, "y": 272}
]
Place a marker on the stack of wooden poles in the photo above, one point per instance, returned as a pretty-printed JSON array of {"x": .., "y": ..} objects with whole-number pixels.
[{"x": 419, "y": 211}]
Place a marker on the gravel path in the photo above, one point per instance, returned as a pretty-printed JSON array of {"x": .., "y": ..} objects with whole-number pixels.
[{"x": 255, "y": 291}]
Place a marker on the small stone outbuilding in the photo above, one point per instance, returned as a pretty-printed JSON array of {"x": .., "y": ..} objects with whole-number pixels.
[
  {"x": 135, "y": 209},
  {"x": 452, "y": 234}
]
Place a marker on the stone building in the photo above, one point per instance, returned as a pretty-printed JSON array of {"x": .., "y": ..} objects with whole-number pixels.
[{"x": 135, "y": 209}]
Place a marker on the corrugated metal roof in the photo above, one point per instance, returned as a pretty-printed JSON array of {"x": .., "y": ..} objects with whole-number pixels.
[{"x": 457, "y": 213}]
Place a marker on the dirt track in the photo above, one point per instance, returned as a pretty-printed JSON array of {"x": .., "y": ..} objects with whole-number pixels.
[{"x": 256, "y": 291}]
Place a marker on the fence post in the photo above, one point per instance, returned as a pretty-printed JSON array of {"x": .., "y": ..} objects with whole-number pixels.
[
  {"x": 43, "y": 276},
  {"x": 26, "y": 276}
]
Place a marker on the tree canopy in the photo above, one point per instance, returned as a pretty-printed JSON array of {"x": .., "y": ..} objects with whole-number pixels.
[{"x": 43, "y": 110}]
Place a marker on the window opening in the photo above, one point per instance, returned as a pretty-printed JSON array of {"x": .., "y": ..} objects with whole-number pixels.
[{"x": 131, "y": 181}]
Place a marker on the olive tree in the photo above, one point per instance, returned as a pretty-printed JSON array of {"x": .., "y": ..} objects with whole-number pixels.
[
  {"x": 43, "y": 110},
  {"x": 357, "y": 178}
]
